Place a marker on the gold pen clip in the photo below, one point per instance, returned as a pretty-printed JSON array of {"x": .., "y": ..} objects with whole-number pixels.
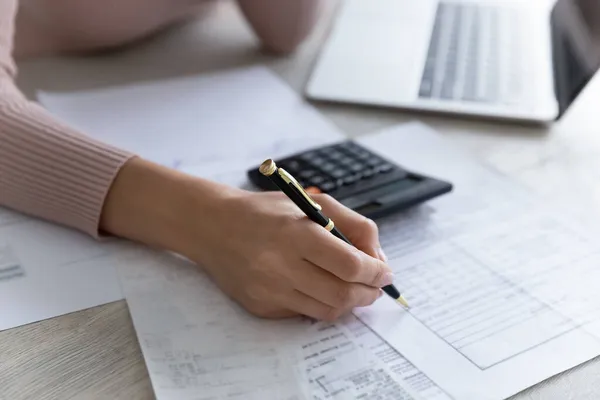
[{"x": 292, "y": 181}]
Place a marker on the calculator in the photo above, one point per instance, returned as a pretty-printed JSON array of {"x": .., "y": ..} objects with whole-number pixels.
[{"x": 358, "y": 178}]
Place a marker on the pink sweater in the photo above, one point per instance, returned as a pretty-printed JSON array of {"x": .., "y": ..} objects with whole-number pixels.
[{"x": 48, "y": 169}]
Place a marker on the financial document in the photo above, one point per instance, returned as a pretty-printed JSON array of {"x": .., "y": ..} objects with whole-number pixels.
[
  {"x": 402, "y": 369},
  {"x": 198, "y": 344},
  {"x": 338, "y": 367},
  {"x": 503, "y": 288}
]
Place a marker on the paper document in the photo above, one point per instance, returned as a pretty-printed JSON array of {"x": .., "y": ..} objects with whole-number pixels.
[
  {"x": 402, "y": 369},
  {"x": 503, "y": 290},
  {"x": 338, "y": 367},
  {"x": 46, "y": 271},
  {"x": 197, "y": 343},
  {"x": 197, "y": 119}
]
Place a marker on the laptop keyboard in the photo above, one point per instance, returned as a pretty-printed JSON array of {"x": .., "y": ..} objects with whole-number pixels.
[{"x": 473, "y": 55}]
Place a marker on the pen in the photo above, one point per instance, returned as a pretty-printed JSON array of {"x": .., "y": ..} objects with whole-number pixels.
[{"x": 288, "y": 185}]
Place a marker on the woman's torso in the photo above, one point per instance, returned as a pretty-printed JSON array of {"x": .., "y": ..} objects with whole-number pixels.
[{"x": 50, "y": 26}]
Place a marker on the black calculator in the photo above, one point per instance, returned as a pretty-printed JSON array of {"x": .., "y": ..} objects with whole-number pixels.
[{"x": 357, "y": 178}]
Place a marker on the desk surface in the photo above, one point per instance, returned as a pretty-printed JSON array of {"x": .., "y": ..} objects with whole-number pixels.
[{"x": 95, "y": 353}]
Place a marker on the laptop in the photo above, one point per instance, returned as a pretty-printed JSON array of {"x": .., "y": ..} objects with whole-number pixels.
[{"x": 520, "y": 60}]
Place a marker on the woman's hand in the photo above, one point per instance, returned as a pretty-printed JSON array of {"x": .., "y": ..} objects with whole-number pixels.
[
  {"x": 259, "y": 248},
  {"x": 266, "y": 254}
]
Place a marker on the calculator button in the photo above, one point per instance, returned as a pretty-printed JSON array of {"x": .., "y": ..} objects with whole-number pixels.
[
  {"x": 338, "y": 173},
  {"x": 310, "y": 156},
  {"x": 291, "y": 166},
  {"x": 328, "y": 186},
  {"x": 316, "y": 180},
  {"x": 335, "y": 155},
  {"x": 384, "y": 168},
  {"x": 356, "y": 167},
  {"x": 346, "y": 160},
  {"x": 358, "y": 152},
  {"x": 317, "y": 161},
  {"x": 350, "y": 179},
  {"x": 307, "y": 173},
  {"x": 374, "y": 162},
  {"x": 328, "y": 167},
  {"x": 367, "y": 173}
]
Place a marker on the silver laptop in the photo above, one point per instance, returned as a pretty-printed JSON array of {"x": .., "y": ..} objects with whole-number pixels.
[{"x": 523, "y": 59}]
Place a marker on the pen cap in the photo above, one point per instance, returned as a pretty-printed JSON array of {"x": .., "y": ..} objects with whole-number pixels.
[{"x": 268, "y": 167}]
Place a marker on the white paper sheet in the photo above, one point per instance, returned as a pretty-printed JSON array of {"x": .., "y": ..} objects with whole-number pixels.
[
  {"x": 503, "y": 290},
  {"x": 338, "y": 367},
  {"x": 197, "y": 119},
  {"x": 46, "y": 271},
  {"x": 197, "y": 343},
  {"x": 200, "y": 345},
  {"x": 402, "y": 369},
  {"x": 240, "y": 116}
]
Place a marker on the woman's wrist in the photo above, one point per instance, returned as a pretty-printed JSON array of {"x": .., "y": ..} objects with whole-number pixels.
[{"x": 161, "y": 207}]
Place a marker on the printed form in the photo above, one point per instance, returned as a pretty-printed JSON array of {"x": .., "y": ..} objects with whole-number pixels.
[
  {"x": 503, "y": 290},
  {"x": 199, "y": 345}
]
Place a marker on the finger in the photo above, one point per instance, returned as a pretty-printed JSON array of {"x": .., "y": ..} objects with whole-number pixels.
[
  {"x": 301, "y": 303},
  {"x": 327, "y": 288},
  {"x": 360, "y": 230},
  {"x": 345, "y": 261}
]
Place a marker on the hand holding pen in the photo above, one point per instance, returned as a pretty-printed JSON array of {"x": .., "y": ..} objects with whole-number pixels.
[
  {"x": 292, "y": 189},
  {"x": 263, "y": 252}
]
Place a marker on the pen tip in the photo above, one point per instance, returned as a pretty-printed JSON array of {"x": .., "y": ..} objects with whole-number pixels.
[{"x": 402, "y": 301}]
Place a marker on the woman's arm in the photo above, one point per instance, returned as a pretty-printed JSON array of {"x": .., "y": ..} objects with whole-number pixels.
[
  {"x": 257, "y": 247},
  {"x": 48, "y": 169},
  {"x": 281, "y": 24}
]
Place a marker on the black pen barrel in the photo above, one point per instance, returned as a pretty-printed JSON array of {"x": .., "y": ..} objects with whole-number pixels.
[{"x": 297, "y": 198}]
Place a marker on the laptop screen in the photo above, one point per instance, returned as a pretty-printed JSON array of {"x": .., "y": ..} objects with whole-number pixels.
[{"x": 576, "y": 47}]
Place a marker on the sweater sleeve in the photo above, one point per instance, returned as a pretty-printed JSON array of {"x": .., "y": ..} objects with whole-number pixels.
[{"x": 47, "y": 169}]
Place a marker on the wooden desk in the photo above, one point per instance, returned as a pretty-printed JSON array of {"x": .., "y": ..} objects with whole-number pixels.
[{"x": 94, "y": 354}]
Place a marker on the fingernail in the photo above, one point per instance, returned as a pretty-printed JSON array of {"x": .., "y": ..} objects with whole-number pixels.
[
  {"x": 381, "y": 255},
  {"x": 388, "y": 279}
]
